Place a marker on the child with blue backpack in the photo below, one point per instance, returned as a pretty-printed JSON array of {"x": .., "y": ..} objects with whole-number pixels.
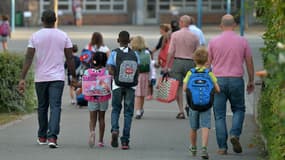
[{"x": 200, "y": 84}]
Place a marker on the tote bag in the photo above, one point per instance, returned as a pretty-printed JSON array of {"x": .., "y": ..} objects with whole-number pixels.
[{"x": 167, "y": 89}]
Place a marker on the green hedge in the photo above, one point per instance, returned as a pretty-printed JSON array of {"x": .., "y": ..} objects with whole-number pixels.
[
  {"x": 10, "y": 99},
  {"x": 272, "y": 101}
]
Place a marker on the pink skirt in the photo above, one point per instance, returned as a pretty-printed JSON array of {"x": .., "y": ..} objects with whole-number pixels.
[{"x": 143, "y": 82}]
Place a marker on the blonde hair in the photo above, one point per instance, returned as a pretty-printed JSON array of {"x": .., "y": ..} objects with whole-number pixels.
[
  {"x": 200, "y": 56},
  {"x": 165, "y": 27},
  {"x": 138, "y": 43}
]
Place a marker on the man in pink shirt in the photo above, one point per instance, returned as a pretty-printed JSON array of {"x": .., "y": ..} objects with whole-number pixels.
[
  {"x": 227, "y": 54},
  {"x": 50, "y": 46},
  {"x": 182, "y": 46}
]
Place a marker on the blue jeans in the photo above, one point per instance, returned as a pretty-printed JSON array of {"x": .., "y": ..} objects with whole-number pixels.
[
  {"x": 49, "y": 95},
  {"x": 128, "y": 96},
  {"x": 232, "y": 89}
]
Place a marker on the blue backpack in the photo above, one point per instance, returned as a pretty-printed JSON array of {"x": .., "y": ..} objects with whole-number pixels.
[{"x": 200, "y": 90}]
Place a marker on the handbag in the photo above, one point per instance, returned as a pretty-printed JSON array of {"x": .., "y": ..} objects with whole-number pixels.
[
  {"x": 167, "y": 89},
  {"x": 162, "y": 56}
]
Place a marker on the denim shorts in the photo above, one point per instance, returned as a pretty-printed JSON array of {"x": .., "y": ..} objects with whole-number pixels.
[
  {"x": 98, "y": 106},
  {"x": 200, "y": 119}
]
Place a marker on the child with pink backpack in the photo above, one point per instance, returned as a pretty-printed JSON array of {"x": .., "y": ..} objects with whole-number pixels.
[{"x": 96, "y": 88}]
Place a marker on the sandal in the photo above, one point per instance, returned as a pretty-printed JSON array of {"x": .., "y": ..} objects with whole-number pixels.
[{"x": 180, "y": 116}]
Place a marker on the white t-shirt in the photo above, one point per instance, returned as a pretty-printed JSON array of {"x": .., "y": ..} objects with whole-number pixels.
[
  {"x": 94, "y": 48},
  {"x": 49, "y": 44}
]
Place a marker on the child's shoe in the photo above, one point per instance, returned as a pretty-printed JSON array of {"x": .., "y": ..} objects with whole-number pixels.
[
  {"x": 91, "y": 139},
  {"x": 193, "y": 150},
  {"x": 204, "y": 153},
  {"x": 73, "y": 102},
  {"x": 139, "y": 114},
  {"x": 149, "y": 97},
  {"x": 101, "y": 144},
  {"x": 125, "y": 146}
]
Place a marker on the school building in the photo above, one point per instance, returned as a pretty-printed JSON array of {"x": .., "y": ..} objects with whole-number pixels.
[{"x": 138, "y": 12}]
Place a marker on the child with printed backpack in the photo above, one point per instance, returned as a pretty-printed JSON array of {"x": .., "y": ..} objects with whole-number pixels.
[
  {"x": 123, "y": 65},
  {"x": 5, "y": 32},
  {"x": 72, "y": 92},
  {"x": 96, "y": 87},
  {"x": 200, "y": 119},
  {"x": 138, "y": 45}
]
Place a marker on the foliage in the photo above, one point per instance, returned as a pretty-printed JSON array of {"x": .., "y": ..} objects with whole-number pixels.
[
  {"x": 272, "y": 103},
  {"x": 10, "y": 99}
]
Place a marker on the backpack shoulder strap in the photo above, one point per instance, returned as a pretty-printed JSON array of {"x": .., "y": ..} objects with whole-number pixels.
[
  {"x": 89, "y": 47},
  {"x": 193, "y": 70}
]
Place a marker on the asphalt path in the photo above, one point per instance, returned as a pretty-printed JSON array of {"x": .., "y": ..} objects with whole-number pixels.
[{"x": 157, "y": 136}]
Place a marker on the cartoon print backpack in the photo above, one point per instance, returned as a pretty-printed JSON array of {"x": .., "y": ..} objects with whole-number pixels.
[
  {"x": 144, "y": 65},
  {"x": 96, "y": 82},
  {"x": 86, "y": 56},
  {"x": 126, "y": 71},
  {"x": 4, "y": 29},
  {"x": 96, "y": 85},
  {"x": 200, "y": 90}
]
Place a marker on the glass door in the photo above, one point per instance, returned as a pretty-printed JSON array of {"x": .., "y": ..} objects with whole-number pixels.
[{"x": 150, "y": 13}]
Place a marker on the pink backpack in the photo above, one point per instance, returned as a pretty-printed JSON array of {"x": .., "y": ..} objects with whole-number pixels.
[
  {"x": 4, "y": 29},
  {"x": 96, "y": 85}
]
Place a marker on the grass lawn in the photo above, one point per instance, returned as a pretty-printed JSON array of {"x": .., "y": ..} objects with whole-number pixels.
[{"x": 9, "y": 117}]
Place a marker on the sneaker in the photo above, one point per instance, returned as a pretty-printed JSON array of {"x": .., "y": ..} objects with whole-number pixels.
[
  {"x": 42, "y": 141},
  {"x": 91, "y": 141},
  {"x": 204, "y": 153},
  {"x": 193, "y": 150},
  {"x": 114, "y": 141},
  {"x": 101, "y": 144},
  {"x": 138, "y": 116},
  {"x": 222, "y": 152},
  {"x": 236, "y": 145},
  {"x": 125, "y": 146},
  {"x": 73, "y": 102},
  {"x": 52, "y": 143}
]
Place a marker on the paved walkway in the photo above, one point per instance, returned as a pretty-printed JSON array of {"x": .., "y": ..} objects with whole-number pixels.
[{"x": 158, "y": 136}]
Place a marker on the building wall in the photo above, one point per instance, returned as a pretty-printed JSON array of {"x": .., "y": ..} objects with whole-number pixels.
[{"x": 107, "y": 18}]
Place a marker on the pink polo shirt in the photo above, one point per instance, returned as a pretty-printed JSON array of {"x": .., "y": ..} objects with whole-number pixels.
[
  {"x": 227, "y": 53},
  {"x": 183, "y": 43},
  {"x": 49, "y": 44}
]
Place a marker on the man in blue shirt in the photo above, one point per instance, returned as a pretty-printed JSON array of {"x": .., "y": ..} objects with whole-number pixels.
[{"x": 197, "y": 31}]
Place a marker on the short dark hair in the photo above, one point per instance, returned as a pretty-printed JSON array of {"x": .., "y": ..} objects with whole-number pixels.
[
  {"x": 48, "y": 17},
  {"x": 124, "y": 37},
  {"x": 99, "y": 59},
  {"x": 74, "y": 48},
  {"x": 174, "y": 25}
]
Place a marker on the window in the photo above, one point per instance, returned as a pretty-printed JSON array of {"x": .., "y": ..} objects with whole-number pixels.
[
  {"x": 89, "y": 6},
  {"x": 104, "y": 6},
  {"x": 191, "y": 5}
]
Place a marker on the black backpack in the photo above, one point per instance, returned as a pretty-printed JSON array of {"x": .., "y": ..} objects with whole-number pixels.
[{"x": 126, "y": 70}]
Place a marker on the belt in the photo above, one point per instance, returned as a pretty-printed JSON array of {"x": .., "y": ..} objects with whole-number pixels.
[{"x": 182, "y": 58}]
